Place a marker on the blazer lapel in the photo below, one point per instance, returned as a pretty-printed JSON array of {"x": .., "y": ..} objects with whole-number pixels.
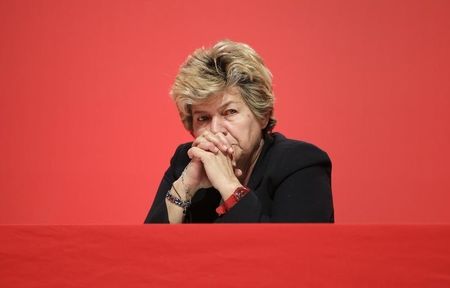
[{"x": 261, "y": 163}]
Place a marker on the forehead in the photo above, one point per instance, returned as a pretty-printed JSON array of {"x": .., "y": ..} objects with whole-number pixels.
[{"x": 218, "y": 101}]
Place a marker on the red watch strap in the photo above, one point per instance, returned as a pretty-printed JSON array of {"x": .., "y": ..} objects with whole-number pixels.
[{"x": 232, "y": 200}]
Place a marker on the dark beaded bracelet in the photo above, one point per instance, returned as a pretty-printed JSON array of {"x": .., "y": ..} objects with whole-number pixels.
[{"x": 178, "y": 201}]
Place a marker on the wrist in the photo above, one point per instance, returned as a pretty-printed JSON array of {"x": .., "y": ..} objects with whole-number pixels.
[
  {"x": 183, "y": 192},
  {"x": 235, "y": 197},
  {"x": 227, "y": 189}
]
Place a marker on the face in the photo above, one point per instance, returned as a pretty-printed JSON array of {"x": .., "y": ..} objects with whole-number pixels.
[{"x": 228, "y": 113}]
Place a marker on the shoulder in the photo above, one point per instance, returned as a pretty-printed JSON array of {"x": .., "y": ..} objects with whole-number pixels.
[
  {"x": 183, "y": 148},
  {"x": 291, "y": 155},
  {"x": 180, "y": 158}
]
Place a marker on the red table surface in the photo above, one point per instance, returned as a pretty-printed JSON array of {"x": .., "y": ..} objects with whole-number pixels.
[{"x": 235, "y": 255}]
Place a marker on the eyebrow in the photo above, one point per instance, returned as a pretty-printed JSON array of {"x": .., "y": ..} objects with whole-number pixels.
[{"x": 220, "y": 107}]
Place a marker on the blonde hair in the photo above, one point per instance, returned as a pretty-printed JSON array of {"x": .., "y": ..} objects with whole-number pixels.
[{"x": 226, "y": 65}]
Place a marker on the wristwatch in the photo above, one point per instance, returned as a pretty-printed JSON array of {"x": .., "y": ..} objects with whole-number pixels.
[{"x": 232, "y": 200}]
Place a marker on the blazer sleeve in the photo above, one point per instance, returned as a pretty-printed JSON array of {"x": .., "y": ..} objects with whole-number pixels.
[
  {"x": 304, "y": 196},
  {"x": 158, "y": 210},
  {"x": 298, "y": 190}
]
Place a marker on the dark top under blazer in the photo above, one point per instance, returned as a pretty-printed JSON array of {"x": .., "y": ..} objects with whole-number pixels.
[{"x": 291, "y": 182}]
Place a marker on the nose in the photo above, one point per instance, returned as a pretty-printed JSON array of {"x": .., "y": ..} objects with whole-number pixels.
[{"x": 216, "y": 125}]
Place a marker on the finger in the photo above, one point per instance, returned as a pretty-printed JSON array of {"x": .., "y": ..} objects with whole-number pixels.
[
  {"x": 204, "y": 142},
  {"x": 223, "y": 139},
  {"x": 193, "y": 153},
  {"x": 238, "y": 172},
  {"x": 198, "y": 153},
  {"x": 219, "y": 140},
  {"x": 201, "y": 139},
  {"x": 208, "y": 146},
  {"x": 198, "y": 140}
]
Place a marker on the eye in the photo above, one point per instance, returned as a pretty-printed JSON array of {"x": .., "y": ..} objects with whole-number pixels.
[
  {"x": 229, "y": 112},
  {"x": 202, "y": 118}
]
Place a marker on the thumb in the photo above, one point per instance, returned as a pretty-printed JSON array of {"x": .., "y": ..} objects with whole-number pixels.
[{"x": 195, "y": 153}]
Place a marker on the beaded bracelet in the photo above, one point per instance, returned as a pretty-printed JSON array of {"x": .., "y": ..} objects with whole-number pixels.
[{"x": 178, "y": 201}]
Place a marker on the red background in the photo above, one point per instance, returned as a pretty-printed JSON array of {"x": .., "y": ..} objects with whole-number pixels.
[{"x": 87, "y": 127}]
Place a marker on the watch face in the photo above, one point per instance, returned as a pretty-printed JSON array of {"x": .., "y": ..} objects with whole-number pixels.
[
  {"x": 240, "y": 192},
  {"x": 238, "y": 195}
]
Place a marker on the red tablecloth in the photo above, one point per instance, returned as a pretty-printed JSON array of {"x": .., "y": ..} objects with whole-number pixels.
[{"x": 265, "y": 255}]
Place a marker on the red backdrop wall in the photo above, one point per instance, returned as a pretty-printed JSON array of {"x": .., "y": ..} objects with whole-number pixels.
[{"x": 87, "y": 127}]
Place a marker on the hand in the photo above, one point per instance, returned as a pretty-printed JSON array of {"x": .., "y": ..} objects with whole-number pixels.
[
  {"x": 195, "y": 176},
  {"x": 218, "y": 168},
  {"x": 214, "y": 143}
]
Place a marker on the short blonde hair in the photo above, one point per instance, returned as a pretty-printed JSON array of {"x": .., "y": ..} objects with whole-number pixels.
[{"x": 226, "y": 65}]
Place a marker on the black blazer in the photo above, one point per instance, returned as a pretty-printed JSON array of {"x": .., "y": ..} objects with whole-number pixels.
[{"x": 291, "y": 182}]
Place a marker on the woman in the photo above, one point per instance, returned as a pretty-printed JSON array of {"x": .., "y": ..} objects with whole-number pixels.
[{"x": 237, "y": 169}]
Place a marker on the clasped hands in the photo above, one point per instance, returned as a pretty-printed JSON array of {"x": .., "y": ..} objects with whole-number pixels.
[{"x": 212, "y": 165}]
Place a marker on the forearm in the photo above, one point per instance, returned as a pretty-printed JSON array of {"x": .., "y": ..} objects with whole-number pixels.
[{"x": 175, "y": 212}]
